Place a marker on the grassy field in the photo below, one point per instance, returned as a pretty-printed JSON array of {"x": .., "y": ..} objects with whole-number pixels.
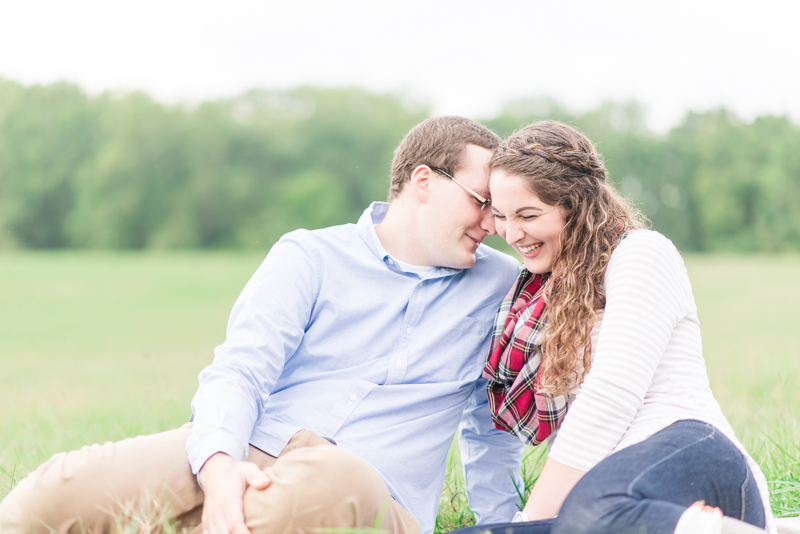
[{"x": 101, "y": 346}]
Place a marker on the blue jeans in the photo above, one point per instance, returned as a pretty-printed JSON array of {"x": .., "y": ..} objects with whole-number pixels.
[{"x": 646, "y": 487}]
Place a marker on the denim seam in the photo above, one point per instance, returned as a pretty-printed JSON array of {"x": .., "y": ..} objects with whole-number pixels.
[
  {"x": 744, "y": 487},
  {"x": 643, "y": 473}
]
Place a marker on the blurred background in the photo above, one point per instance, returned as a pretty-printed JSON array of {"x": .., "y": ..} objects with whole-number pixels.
[
  {"x": 153, "y": 124},
  {"x": 151, "y": 152}
]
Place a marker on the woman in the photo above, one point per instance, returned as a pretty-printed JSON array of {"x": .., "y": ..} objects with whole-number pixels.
[{"x": 597, "y": 350}]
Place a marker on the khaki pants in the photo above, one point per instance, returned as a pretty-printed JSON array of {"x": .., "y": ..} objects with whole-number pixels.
[{"x": 138, "y": 483}]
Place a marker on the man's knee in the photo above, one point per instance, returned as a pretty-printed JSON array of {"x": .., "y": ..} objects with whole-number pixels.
[
  {"x": 323, "y": 486},
  {"x": 41, "y": 500},
  {"x": 84, "y": 489}
]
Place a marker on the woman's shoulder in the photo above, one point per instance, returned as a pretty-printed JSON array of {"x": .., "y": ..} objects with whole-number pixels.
[
  {"x": 646, "y": 258},
  {"x": 646, "y": 253},
  {"x": 647, "y": 244},
  {"x": 647, "y": 237}
]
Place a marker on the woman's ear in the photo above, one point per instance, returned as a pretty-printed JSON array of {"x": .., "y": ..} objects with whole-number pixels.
[{"x": 420, "y": 183}]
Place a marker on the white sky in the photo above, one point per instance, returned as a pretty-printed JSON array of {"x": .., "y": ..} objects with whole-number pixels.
[{"x": 464, "y": 57}]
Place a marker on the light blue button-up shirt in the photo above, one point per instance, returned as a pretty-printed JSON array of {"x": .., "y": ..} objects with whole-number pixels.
[{"x": 331, "y": 335}]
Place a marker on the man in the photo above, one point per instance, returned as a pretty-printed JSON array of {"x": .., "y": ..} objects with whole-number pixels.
[{"x": 349, "y": 360}]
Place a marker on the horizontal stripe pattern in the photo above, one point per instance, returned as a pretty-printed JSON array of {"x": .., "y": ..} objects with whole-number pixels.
[{"x": 647, "y": 369}]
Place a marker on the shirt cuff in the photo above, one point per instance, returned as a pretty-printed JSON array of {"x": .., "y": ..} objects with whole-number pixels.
[
  {"x": 200, "y": 450},
  {"x": 520, "y": 517}
]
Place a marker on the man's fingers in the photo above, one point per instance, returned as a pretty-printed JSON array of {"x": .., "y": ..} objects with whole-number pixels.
[
  {"x": 215, "y": 525},
  {"x": 224, "y": 488},
  {"x": 240, "y": 528},
  {"x": 234, "y": 516},
  {"x": 227, "y": 518},
  {"x": 254, "y": 476}
]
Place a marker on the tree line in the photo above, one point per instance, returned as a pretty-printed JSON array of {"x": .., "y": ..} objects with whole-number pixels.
[{"x": 125, "y": 171}]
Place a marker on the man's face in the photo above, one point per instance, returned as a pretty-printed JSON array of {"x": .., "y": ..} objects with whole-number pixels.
[{"x": 454, "y": 221}]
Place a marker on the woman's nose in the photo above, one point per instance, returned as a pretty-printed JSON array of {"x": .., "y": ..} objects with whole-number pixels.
[{"x": 513, "y": 232}]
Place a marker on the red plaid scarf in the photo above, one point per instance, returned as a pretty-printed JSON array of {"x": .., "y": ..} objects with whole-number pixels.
[{"x": 513, "y": 366}]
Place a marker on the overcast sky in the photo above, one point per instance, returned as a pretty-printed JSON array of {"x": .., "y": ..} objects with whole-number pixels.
[{"x": 462, "y": 56}]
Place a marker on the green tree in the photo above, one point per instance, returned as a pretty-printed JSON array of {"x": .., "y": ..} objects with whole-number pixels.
[
  {"x": 46, "y": 136},
  {"x": 124, "y": 171}
]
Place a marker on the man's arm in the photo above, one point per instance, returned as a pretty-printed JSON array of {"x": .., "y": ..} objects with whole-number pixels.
[
  {"x": 492, "y": 460},
  {"x": 265, "y": 328}
]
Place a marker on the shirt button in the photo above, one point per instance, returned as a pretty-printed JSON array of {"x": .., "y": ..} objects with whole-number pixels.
[
  {"x": 353, "y": 397},
  {"x": 398, "y": 363},
  {"x": 408, "y": 330}
]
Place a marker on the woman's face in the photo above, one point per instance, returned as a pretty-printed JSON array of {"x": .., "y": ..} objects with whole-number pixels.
[{"x": 525, "y": 222}]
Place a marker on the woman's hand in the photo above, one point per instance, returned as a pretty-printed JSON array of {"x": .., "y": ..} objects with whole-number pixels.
[{"x": 553, "y": 486}]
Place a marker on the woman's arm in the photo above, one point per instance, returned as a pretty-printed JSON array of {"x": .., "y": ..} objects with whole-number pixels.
[
  {"x": 647, "y": 294},
  {"x": 553, "y": 486}
]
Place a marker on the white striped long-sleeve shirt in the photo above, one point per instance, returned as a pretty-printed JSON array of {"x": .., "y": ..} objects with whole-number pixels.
[{"x": 647, "y": 368}]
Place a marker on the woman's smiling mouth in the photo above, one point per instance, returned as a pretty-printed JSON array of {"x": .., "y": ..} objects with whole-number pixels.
[{"x": 530, "y": 248}]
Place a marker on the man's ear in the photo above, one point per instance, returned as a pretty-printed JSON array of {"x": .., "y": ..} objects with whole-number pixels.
[{"x": 420, "y": 182}]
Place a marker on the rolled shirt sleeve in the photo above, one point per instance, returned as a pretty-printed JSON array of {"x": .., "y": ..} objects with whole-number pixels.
[{"x": 492, "y": 459}]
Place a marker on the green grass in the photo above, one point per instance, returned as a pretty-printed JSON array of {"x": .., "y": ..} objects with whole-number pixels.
[
  {"x": 748, "y": 317},
  {"x": 97, "y": 347},
  {"x": 101, "y": 346}
]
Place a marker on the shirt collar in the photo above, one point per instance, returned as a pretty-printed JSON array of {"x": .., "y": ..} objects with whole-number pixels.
[{"x": 373, "y": 215}]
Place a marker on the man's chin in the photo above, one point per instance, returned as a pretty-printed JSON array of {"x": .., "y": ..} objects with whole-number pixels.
[{"x": 462, "y": 263}]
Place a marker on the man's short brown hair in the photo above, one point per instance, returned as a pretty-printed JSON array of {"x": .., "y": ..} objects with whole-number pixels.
[{"x": 437, "y": 142}]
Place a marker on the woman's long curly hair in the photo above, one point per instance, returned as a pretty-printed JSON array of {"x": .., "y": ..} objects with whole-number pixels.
[{"x": 563, "y": 168}]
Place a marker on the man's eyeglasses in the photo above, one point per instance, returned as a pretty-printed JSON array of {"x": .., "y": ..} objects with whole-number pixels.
[{"x": 484, "y": 202}]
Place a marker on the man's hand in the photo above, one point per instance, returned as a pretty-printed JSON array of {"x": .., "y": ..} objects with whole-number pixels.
[{"x": 224, "y": 481}]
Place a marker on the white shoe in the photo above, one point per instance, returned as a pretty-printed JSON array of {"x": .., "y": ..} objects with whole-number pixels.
[{"x": 702, "y": 519}]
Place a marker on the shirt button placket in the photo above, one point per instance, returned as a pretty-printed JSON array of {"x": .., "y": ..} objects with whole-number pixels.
[{"x": 413, "y": 314}]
